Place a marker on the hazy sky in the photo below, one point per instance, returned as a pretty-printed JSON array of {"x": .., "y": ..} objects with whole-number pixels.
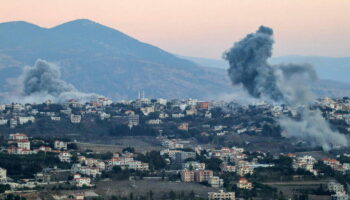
[{"x": 203, "y": 28}]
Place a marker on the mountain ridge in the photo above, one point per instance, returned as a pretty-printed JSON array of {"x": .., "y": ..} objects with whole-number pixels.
[
  {"x": 93, "y": 56},
  {"x": 99, "y": 59}
]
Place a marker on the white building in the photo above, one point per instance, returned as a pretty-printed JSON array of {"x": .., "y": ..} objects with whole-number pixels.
[
  {"x": 2, "y": 107},
  {"x": 65, "y": 156},
  {"x": 127, "y": 163},
  {"x": 60, "y": 145},
  {"x": 336, "y": 187},
  {"x": 75, "y": 119},
  {"x": 154, "y": 121},
  {"x": 147, "y": 110},
  {"x": 25, "y": 120},
  {"x": 3, "y": 175},
  {"x": 216, "y": 181},
  {"x": 3, "y": 121},
  {"x": 23, "y": 144},
  {"x": 161, "y": 101},
  {"x": 193, "y": 165},
  {"x": 18, "y": 136},
  {"x": 53, "y": 118},
  {"x": 86, "y": 170},
  {"x": 221, "y": 195},
  {"x": 306, "y": 163},
  {"x": 81, "y": 181}
]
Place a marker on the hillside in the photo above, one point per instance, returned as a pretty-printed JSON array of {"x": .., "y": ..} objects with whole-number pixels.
[{"x": 99, "y": 59}]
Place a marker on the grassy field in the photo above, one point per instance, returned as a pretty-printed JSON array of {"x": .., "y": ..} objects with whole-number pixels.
[
  {"x": 141, "y": 144},
  {"x": 289, "y": 188}
]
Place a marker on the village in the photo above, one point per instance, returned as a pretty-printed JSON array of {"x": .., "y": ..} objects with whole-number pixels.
[
  {"x": 202, "y": 166},
  {"x": 194, "y": 143}
]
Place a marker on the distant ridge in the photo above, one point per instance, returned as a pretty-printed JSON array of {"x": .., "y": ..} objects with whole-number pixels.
[
  {"x": 96, "y": 58},
  {"x": 99, "y": 59}
]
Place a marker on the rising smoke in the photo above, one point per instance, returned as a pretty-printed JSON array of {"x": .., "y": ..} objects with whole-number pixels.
[
  {"x": 286, "y": 84},
  {"x": 43, "y": 81}
]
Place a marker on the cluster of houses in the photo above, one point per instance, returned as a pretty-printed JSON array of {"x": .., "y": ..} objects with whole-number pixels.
[
  {"x": 336, "y": 165},
  {"x": 84, "y": 169},
  {"x": 232, "y": 161},
  {"x": 339, "y": 190},
  {"x": 304, "y": 162},
  {"x": 20, "y": 144},
  {"x": 18, "y": 114},
  {"x": 127, "y": 161},
  {"x": 307, "y": 163},
  {"x": 337, "y": 109}
]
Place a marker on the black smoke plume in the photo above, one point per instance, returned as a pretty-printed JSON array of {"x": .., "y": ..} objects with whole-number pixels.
[{"x": 286, "y": 84}]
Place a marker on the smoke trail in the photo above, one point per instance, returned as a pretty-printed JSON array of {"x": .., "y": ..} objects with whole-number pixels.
[
  {"x": 281, "y": 84},
  {"x": 43, "y": 81}
]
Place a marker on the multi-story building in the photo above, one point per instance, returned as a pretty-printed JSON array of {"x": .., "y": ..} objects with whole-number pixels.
[
  {"x": 216, "y": 181},
  {"x": 244, "y": 169},
  {"x": 202, "y": 175},
  {"x": 23, "y": 144},
  {"x": 196, "y": 175},
  {"x": 221, "y": 195},
  {"x": 187, "y": 175},
  {"x": 127, "y": 162},
  {"x": 306, "y": 163}
]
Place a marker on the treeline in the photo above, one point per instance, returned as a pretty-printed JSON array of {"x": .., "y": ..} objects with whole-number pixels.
[
  {"x": 150, "y": 195},
  {"x": 154, "y": 159},
  {"x": 26, "y": 166}
]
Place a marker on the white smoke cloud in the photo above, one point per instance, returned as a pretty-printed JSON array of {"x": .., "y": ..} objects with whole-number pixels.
[{"x": 43, "y": 82}]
